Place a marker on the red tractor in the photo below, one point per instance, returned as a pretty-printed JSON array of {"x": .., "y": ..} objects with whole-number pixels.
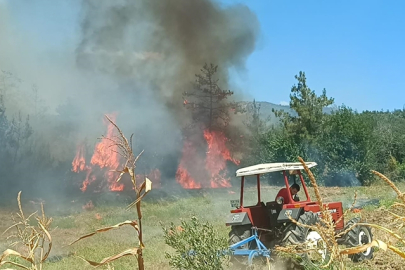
[{"x": 256, "y": 229}]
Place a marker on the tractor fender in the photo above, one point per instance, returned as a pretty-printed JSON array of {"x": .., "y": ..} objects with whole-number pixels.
[
  {"x": 235, "y": 219},
  {"x": 294, "y": 213}
]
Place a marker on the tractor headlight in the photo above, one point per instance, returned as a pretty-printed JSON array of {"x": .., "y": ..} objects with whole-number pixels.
[{"x": 280, "y": 200}]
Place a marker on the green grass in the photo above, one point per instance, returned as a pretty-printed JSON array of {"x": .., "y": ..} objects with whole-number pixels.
[
  {"x": 210, "y": 205},
  {"x": 68, "y": 222}
]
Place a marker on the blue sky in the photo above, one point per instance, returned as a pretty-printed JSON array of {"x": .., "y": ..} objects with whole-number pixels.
[{"x": 354, "y": 49}]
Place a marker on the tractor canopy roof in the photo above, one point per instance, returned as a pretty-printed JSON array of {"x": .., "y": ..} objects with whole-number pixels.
[{"x": 272, "y": 167}]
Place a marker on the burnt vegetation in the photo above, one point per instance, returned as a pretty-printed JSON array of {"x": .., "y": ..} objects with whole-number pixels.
[{"x": 345, "y": 143}]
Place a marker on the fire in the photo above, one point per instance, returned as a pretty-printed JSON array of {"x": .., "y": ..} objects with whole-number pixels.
[
  {"x": 106, "y": 156},
  {"x": 217, "y": 156},
  {"x": 185, "y": 180},
  {"x": 189, "y": 174},
  {"x": 105, "y": 159},
  {"x": 79, "y": 162},
  {"x": 90, "y": 178},
  {"x": 104, "y": 162},
  {"x": 183, "y": 177}
]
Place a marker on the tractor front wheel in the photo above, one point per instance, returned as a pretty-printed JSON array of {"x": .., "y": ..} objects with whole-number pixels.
[
  {"x": 239, "y": 233},
  {"x": 299, "y": 235},
  {"x": 358, "y": 235}
]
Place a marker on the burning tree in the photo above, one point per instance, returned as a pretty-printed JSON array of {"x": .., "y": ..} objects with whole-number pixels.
[
  {"x": 210, "y": 115},
  {"x": 207, "y": 100}
]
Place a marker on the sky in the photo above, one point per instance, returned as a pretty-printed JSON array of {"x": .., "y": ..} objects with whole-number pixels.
[{"x": 353, "y": 49}]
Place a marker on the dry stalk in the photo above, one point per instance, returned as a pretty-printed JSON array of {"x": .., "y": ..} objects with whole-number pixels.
[
  {"x": 326, "y": 229},
  {"x": 397, "y": 217},
  {"x": 36, "y": 240},
  {"x": 125, "y": 150},
  {"x": 391, "y": 184},
  {"x": 326, "y": 226}
]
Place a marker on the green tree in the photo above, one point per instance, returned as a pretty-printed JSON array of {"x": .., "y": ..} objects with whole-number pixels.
[
  {"x": 309, "y": 108},
  {"x": 19, "y": 132},
  {"x": 347, "y": 148},
  {"x": 297, "y": 135},
  {"x": 256, "y": 128}
]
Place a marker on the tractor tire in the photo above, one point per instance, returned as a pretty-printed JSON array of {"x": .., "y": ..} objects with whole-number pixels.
[
  {"x": 296, "y": 235},
  {"x": 239, "y": 233},
  {"x": 358, "y": 235}
]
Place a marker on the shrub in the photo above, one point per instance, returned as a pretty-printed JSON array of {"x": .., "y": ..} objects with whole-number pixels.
[{"x": 197, "y": 245}]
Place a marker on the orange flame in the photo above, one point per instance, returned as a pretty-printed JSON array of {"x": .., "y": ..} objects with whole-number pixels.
[
  {"x": 216, "y": 157},
  {"x": 90, "y": 178},
  {"x": 105, "y": 157},
  {"x": 183, "y": 177},
  {"x": 105, "y": 161},
  {"x": 79, "y": 162},
  {"x": 185, "y": 180}
]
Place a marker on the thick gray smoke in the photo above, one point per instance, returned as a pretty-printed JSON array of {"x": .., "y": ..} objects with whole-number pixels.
[
  {"x": 153, "y": 48},
  {"x": 135, "y": 58}
]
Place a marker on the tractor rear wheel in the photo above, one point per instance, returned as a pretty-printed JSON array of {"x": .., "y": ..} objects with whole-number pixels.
[
  {"x": 358, "y": 235},
  {"x": 239, "y": 233},
  {"x": 298, "y": 235}
]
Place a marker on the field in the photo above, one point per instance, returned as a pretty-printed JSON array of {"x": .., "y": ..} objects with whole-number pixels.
[{"x": 71, "y": 221}]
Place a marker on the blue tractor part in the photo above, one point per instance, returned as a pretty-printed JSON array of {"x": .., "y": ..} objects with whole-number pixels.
[{"x": 260, "y": 249}]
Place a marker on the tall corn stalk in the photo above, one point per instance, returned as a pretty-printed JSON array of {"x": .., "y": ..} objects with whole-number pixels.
[{"x": 125, "y": 150}]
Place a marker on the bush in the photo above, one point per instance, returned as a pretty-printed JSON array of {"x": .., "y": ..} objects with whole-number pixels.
[{"x": 197, "y": 245}]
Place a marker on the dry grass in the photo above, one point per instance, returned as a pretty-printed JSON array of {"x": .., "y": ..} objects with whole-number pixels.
[
  {"x": 73, "y": 222},
  {"x": 396, "y": 221},
  {"x": 34, "y": 241}
]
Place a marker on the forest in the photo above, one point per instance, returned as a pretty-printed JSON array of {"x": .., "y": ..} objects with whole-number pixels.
[{"x": 345, "y": 143}]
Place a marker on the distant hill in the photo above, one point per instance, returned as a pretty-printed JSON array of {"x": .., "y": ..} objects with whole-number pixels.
[{"x": 266, "y": 110}]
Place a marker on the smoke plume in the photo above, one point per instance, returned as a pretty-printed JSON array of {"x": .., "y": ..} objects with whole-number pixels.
[
  {"x": 154, "y": 48},
  {"x": 135, "y": 58}
]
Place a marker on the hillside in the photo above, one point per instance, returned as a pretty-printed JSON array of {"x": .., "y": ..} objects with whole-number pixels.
[{"x": 266, "y": 110}]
